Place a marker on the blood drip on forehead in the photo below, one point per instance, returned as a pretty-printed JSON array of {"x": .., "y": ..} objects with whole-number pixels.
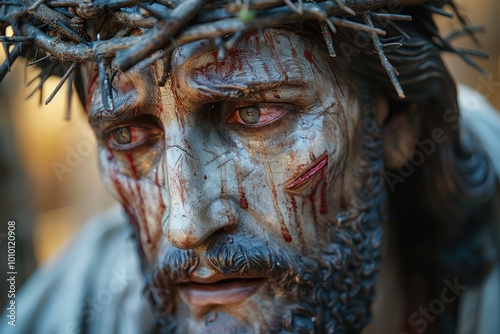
[{"x": 93, "y": 75}]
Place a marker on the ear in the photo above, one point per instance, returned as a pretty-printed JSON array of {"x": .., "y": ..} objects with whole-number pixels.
[{"x": 400, "y": 127}]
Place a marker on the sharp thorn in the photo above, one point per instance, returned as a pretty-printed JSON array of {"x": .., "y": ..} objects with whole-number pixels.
[
  {"x": 159, "y": 54},
  {"x": 391, "y": 17},
  {"x": 327, "y": 35},
  {"x": 105, "y": 83},
  {"x": 68, "y": 32},
  {"x": 33, "y": 80},
  {"x": 345, "y": 8},
  {"x": 221, "y": 52},
  {"x": 438, "y": 11},
  {"x": 69, "y": 95},
  {"x": 392, "y": 45},
  {"x": 384, "y": 61},
  {"x": 300, "y": 6},
  {"x": 5, "y": 67},
  {"x": 61, "y": 83},
  {"x": 293, "y": 7},
  {"x": 166, "y": 69},
  {"x": 233, "y": 39},
  {"x": 40, "y": 96},
  {"x": 174, "y": 42},
  {"x": 34, "y": 62},
  {"x": 44, "y": 75},
  {"x": 357, "y": 26},
  {"x": 331, "y": 25},
  {"x": 403, "y": 33},
  {"x": 7, "y": 55},
  {"x": 464, "y": 22},
  {"x": 466, "y": 31},
  {"x": 476, "y": 53}
]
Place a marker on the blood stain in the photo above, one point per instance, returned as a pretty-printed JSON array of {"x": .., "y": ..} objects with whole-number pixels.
[
  {"x": 132, "y": 165},
  {"x": 308, "y": 56},
  {"x": 323, "y": 208},
  {"x": 285, "y": 233}
]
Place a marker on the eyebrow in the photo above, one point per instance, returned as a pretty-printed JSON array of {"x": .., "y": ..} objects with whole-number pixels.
[
  {"x": 211, "y": 91},
  {"x": 120, "y": 113}
]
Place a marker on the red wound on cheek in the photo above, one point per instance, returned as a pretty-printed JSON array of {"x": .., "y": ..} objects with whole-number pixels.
[
  {"x": 308, "y": 180},
  {"x": 307, "y": 184}
]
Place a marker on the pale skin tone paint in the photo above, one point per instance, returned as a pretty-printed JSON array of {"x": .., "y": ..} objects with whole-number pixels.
[{"x": 193, "y": 160}]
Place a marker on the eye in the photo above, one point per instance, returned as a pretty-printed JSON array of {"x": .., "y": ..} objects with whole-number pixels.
[
  {"x": 256, "y": 115},
  {"x": 122, "y": 136},
  {"x": 127, "y": 137}
]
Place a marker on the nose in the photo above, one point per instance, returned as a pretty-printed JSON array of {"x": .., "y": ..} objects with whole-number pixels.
[
  {"x": 189, "y": 228},
  {"x": 199, "y": 202}
]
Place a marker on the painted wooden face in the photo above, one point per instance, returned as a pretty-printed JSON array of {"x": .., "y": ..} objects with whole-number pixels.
[{"x": 235, "y": 175}]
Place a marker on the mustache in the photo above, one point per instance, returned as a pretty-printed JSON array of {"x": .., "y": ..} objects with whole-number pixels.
[{"x": 248, "y": 260}]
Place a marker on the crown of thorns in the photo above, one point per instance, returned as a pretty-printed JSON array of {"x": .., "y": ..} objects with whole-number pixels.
[{"x": 56, "y": 30}]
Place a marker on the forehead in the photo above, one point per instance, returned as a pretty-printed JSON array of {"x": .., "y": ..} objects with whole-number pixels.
[{"x": 273, "y": 59}]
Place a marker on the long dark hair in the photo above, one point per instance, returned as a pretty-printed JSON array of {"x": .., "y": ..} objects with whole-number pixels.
[{"x": 440, "y": 209}]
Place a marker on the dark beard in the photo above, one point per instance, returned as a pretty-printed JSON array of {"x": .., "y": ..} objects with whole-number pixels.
[{"x": 333, "y": 291}]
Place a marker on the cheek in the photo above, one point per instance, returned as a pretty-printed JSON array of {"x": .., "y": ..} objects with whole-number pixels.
[
  {"x": 305, "y": 186},
  {"x": 286, "y": 190},
  {"x": 141, "y": 199}
]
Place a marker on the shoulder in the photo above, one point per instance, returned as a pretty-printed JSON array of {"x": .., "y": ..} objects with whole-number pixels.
[
  {"x": 480, "y": 304},
  {"x": 94, "y": 285},
  {"x": 480, "y": 118}
]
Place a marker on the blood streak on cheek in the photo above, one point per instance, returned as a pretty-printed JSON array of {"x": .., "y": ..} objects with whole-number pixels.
[
  {"x": 139, "y": 196},
  {"x": 157, "y": 184},
  {"x": 243, "y": 199},
  {"x": 132, "y": 166},
  {"x": 284, "y": 230},
  {"x": 241, "y": 189},
  {"x": 109, "y": 153},
  {"x": 307, "y": 183},
  {"x": 123, "y": 198},
  {"x": 229, "y": 211}
]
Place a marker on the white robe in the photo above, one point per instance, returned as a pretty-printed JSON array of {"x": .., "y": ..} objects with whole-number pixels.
[{"x": 93, "y": 286}]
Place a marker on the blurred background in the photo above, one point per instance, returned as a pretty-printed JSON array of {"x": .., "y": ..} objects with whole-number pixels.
[{"x": 48, "y": 171}]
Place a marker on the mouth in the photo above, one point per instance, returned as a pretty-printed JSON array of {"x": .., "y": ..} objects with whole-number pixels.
[{"x": 201, "y": 293}]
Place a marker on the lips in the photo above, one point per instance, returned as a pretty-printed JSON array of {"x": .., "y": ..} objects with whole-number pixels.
[{"x": 222, "y": 292}]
